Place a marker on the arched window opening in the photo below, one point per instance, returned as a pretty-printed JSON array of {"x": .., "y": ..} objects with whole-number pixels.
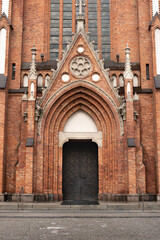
[
  {"x": 114, "y": 80},
  {"x": 47, "y": 78},
  {"x": 13, "y": 71},
  {"x": 121, "y": 80},
  {"x": 80, "y": 122},
  {"x": 25, "y": 80},
  {"x": 157, "y": 43},
  {"x": 128, "y": 89},
  {"x": 5, "y": 7},
  {"x": 32, "y": 88},
  {"x": 135, "y": 80},
  {"x": 155, "y": 6},
  {"x": 3, "y": 34},
  {"x": 147, "y": 72},
  {"x": 40, "y": 81}
]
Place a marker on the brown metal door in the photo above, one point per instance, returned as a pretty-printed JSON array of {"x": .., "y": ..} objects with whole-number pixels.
[{"x": 80, "y": 172}]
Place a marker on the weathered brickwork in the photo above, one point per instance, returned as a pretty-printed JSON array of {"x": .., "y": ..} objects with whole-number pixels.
[{"x": 126, "y": 113}]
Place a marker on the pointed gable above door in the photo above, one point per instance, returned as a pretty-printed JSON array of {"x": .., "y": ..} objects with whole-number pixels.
[{"x": 81, "y": 62}]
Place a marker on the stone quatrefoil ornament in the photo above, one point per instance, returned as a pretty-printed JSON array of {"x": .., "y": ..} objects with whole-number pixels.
[{"x": 80, "y": 66}]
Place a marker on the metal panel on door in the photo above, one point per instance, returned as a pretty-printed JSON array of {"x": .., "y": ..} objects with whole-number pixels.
[{"x": 80, "y": 172}]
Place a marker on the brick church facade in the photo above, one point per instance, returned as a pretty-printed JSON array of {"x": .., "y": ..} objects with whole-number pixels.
[{"x": 79, "y": 100}]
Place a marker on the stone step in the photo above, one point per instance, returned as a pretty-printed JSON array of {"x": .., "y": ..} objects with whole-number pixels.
[{"x": 101, "y": 207}]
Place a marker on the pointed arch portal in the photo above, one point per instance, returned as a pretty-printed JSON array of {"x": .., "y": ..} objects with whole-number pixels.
[
  {"x": 78, "y": 117},
  {"x": 80, "y": 160}
]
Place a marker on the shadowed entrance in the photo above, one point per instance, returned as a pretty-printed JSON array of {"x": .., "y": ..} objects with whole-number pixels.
[{"x": 80, "y": 172}]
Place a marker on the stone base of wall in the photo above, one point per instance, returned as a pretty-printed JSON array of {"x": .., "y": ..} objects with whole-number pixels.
[
  {"x": 132, "y": 198},
  {"x": 128, "y": 198},
  {"x": 113, "y": 197},
  {"x": 40, "y": 198},
  {"x": 28, "y": 198},
  {"x": 1, "y": 197},
  {"x": 158, "y": 198},
  {"x": 16, "y": 198},
  {"x": 59, "y": 197},
  {"x": 147, "y": 197}
]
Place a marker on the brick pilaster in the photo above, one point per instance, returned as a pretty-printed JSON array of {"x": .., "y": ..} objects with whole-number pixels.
[
  {"x": 131, "y": 151},
  {"x": 2, "y": 137},
  {"x": 140, "y": 160},
  {"x": 30, "y": 143},
  {"x": 131, "y": 148},
  {"x": 157, "y": 135},
  {"x": 32, "y": 86}
]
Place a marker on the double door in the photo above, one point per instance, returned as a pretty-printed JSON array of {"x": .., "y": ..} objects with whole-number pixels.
[{"x": 80, "y": 172}]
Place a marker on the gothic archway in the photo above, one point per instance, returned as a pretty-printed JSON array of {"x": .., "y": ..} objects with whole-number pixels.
[{"x": 105, "y": 115}]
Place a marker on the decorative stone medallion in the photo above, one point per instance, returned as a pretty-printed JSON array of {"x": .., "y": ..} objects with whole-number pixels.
[
  {"x": 80, "y": 66},
  {"x": 80, "y": 49},
  {"x": 95, "y": 77},
  {"x": 65, "y": 77}
]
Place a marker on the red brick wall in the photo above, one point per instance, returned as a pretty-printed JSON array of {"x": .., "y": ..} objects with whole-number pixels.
[
  {"x": 124, "y": 29},
  {"x": 145, "y": 47},
  {"x": 15, "y": 50},
  {"x": 13, "y": 139},
  {"x": 31, "y": 25},
  {"x": 34, "y": 27},
  {"x": 147, "y": 138},
  {"x": 2, "y": 138}
]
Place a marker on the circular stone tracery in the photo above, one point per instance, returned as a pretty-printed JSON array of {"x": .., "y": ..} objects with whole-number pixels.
[{"x": 80, "y": 66}]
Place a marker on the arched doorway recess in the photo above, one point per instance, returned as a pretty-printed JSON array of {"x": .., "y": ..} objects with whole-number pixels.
[
  {"x": 80, "y": 159},
  {"x": 52, "y": 138}
]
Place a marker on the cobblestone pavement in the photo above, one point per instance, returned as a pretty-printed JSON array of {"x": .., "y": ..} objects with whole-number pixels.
[{"x": 80, "y": 225}]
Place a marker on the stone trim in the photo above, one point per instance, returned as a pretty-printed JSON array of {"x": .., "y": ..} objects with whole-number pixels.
[
  {"x": 30, "y": 142},
  {"x": 112, "y": 65},
  {"x": 157, "y": 81},
  {"x": 158, "y": 198},
  {"x": 52, "y": 64},
  {"x": 106, "y": 197},
  {"x": 3, "y": 81},
  {"x": 7, "y": 19},
  {"x": 28, "y": 198},
  {"x": 138, "y": 90},
  {"x": 157, "y": 15},
  {"x": 1, "y": 197},
  {"x": 48, "y": 65},
  {"x": 24, "y": 90},
  {"x": 95, "y": 137},
  {"x": 131, "y": 142},
  {"x": 132, "y": 198}
]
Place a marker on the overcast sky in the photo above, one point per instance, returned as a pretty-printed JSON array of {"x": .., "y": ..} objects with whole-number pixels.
[{"x": 5, "y": 6}]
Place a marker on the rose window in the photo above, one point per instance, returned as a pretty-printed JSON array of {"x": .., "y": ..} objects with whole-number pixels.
[{"x": 80, "y": 66}]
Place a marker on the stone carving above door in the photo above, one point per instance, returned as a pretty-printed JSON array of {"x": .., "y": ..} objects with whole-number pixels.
[{"x": 80, "y": 66}]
